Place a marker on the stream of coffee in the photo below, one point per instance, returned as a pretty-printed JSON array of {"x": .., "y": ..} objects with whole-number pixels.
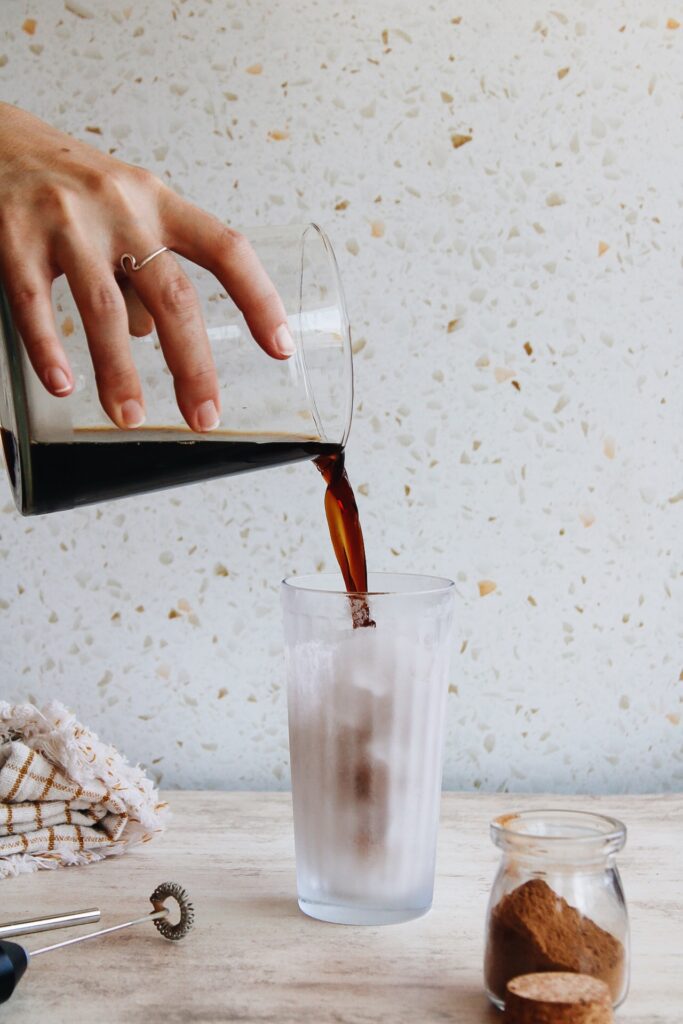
[{"x": 346, "y": 533}]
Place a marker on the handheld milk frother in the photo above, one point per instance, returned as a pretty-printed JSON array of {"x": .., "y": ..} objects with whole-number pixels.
[{"x": 14, "y": 959}]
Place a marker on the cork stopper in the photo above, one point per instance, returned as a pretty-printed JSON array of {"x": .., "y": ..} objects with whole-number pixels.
[{"x": 557, "y": 998}]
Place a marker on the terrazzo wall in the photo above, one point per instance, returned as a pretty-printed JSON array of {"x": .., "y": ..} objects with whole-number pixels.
[{"x": 502, "y": 185}]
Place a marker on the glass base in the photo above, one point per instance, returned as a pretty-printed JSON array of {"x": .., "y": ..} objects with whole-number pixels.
[
  {"x": 498, "y": 1003},
  {"x": 336, "y": 913}
]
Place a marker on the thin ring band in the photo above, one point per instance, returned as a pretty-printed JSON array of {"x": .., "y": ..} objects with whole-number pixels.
[{"x": 134, "y": 265}]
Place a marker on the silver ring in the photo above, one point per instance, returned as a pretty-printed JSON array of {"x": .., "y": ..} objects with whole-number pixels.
[{"x": 134, "y": 265}]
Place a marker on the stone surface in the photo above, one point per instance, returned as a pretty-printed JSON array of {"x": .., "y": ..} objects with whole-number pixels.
[
  {"x": 503, "y": 194},
  {"x": 253, "y": 957}
]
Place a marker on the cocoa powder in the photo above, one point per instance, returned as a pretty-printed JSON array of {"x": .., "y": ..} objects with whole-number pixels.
[{"x": 532, "y": 930}]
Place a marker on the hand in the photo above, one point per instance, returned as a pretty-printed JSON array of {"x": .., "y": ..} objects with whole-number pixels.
[{"x": 66, "y": 208}]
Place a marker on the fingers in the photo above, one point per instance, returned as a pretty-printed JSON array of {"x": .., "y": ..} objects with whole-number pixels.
[
  {"x": 140, "y": 322},
  {"x": 28, "y": 286},
  {"x": 170, "y": 298},
  {"x": 229, "y": 256},
  {"x": 103, "y": 312}
]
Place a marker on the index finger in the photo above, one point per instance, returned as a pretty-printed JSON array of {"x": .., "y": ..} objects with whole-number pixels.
[{"x": 205, "y": 240}]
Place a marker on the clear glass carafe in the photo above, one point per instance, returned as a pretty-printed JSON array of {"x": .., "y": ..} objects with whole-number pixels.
[
  {"x": 65, "y": 452},
  {"x": 557, "y": 902}
]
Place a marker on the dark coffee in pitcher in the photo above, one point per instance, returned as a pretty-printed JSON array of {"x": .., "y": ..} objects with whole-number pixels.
[{"x": 94, "y": 467}]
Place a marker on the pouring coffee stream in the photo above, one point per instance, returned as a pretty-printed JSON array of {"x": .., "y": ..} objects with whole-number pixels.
[{"x": 346, "y": 533}]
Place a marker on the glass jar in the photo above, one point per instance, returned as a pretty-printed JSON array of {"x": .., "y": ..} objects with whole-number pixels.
[{"x": 557, "y": 902}]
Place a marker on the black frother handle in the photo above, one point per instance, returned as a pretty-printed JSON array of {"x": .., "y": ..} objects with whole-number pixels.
[{"x": 13, "y": 964}]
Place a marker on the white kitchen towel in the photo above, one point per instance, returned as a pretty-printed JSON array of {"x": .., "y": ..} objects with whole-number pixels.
[{"x": 65, "y": 796}]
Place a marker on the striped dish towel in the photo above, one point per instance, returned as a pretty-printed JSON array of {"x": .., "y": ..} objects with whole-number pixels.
[{"x": 65, "y": 796}]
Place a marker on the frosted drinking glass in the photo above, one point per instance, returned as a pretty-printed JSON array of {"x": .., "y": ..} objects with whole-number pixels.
[{"x": 366, "y": 728}]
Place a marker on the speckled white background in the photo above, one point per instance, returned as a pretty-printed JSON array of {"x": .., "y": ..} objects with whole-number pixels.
[{"x": 554, "y": 470}]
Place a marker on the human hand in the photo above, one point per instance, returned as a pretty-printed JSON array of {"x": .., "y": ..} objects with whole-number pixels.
[{"x": 67, "y": 208}]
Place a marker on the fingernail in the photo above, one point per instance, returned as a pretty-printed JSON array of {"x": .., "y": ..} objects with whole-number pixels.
[
  {"x": 284, "y": 341},
  {"x": 132, "y": 413},
  {"x": 57, "y": 380},
  {"x": 207, "y": 416}
]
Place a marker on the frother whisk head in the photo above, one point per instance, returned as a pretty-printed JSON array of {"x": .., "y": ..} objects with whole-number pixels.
[{"x": 174, "y": 891}]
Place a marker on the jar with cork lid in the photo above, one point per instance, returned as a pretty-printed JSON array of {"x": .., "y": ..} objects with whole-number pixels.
[{"x": 557, "y": 902}]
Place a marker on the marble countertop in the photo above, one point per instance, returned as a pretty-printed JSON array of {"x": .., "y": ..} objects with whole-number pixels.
[{"x": 254, "y": 957}]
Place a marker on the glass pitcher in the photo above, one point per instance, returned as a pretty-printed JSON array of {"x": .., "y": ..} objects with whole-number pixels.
[{"x": 62, "y": 453}]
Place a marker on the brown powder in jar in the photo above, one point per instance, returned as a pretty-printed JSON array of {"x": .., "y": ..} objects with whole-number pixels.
[{"x": 532, "y": 930}]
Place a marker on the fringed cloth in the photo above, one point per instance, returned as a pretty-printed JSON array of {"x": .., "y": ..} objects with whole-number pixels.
[{"x": 65, "y": 796}]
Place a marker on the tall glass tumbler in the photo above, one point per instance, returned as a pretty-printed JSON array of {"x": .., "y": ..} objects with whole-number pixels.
[{"x": 366, "y": 729}]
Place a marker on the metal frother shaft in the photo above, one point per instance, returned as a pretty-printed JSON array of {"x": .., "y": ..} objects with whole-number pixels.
[
  {"x": 29, "y": 925},
  {"x": 155, "y": 915},
  {"x": 14, "y": 959}
]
